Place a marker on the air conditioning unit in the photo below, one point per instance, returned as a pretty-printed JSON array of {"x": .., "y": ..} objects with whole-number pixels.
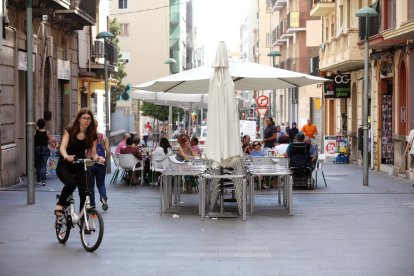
[
  {"x": 49, "y": 45},
  {"x": 98, "y": 48}
]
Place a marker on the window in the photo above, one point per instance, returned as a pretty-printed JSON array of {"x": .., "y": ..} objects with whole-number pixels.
[
  {"x": 390, "y": 14},
  {"x": 410, "y": 9},
  {"x": 123, "y": 4},
  {"x": 124, "y": 29}
]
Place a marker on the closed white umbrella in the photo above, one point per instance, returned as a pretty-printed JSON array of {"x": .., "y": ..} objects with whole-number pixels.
[{"x": 223, "y": 136}]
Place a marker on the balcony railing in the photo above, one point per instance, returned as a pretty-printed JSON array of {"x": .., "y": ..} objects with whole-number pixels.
[
  {"x": 69, "y": 14},
  {"x": 110, "y": 49}
]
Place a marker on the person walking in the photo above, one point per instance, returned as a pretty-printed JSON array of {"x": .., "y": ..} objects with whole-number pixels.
[
  {"x": 146, "y": 132},
  {"x": 269, "y": 133},
  {"x": 409, "y": 148},
  {"x": 78, "y": 141},
  {"x": 293, "y": 132},
  {"x": 42, "y": 153},
  {"x": 310, "y": 129},
  {"x": 97, "y": 172}
]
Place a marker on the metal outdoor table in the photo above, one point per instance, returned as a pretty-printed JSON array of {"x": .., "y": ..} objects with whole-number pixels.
[
  {"x": 205, "y": 177},
  {"x": 166, "y": 188},
  {"x": 257, "y": 171}
]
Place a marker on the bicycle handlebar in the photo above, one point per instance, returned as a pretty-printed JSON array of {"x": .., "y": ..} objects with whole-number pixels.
[{"x": 86, "y": 160}]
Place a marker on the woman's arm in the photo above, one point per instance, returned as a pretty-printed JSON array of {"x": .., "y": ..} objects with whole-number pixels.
[{"x": 64, "y": 146}]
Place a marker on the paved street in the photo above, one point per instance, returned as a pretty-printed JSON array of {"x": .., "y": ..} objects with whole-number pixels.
[{"x": 345, "y": 229}]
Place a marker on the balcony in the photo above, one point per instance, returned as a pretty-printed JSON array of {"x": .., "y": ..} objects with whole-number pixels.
[
  {"x": 341, "y": 53},
  {"x": 279, "y": 34},
  {"x": 69, "y": 14},
  {"x": 279, "y": 4},
  {"x": 322, "y": 7},
  {"x": 98, "y": 58},
  {"x": 296, "y": 22}
]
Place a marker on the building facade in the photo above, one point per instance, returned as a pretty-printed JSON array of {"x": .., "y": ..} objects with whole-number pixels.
[
  {"x": 57, "y": 51},
  {"x": 296, "y": 35}
]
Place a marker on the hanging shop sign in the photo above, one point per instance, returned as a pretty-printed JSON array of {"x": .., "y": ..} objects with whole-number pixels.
[{"x": 338, "y": 87}]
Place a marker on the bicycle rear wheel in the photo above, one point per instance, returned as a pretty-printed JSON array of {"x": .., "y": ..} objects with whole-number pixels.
[
  {"x": 91, "y": 230},
  {"x": 63, "y": 226}
]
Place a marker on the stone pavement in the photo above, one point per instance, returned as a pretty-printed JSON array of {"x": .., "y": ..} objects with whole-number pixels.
[{"x": 345, "y": 229}]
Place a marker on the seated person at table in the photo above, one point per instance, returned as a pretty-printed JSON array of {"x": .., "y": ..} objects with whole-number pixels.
[
  {"x": 122, "y": 144},
  {"x": 301, "y": 159},
  {"x": 160, "y": 155},
  {"x": 246, "y": 147},
  {"x": 184, "y": 151},
  {"x": 313, "y": 152},
  {"x": 257, "y": 149},
  {"x": 133, "y": 149},
  {"x": 162, "y": 151},
  {"x": 194, "y": 146}
]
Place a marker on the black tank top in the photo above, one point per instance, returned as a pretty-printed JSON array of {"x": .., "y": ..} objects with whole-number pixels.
[
  {"x": 77, "y": 148},
  {"x": 41, "y": 138}
]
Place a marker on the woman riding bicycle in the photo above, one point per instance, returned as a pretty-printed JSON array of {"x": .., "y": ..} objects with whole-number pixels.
[{"x": 78, "y": 141}]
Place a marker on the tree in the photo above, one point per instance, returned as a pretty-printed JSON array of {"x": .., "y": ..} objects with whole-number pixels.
[
  {"x": 160, "y": 112},
  {"x": 116, "y": 90}
]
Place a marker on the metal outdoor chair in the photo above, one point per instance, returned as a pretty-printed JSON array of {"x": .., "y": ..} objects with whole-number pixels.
[
  {"x": 128, "y": 163},
  {"x": 117, "y": 170},
  {"x": 321, "y": 159},
  {"x": 159, "y": 165}
]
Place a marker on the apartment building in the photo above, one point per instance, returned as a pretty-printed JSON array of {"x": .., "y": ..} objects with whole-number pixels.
[
  {"x": 297, "y": 36},
  {"x": 392, "y": 56},
  {"x": 391, "y": 75},
  {"x": 57, "y": 49},
  {"x": 151, "y": 33}
]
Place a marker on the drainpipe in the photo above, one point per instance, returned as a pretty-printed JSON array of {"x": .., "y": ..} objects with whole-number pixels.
[{"x": 29, "y": 106}]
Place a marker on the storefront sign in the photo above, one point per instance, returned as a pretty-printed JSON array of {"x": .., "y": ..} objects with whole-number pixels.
[
  {"x": 339, "y": 87},
  {"x": 330, "y": 146}
]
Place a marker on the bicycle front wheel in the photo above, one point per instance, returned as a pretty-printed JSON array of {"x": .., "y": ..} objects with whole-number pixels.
[
  {"x": 63, "y": 225},
  {"x": 91, "y": 230}
]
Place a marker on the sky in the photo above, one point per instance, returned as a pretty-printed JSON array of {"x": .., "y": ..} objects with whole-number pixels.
[{"x": 219, "y": 20}]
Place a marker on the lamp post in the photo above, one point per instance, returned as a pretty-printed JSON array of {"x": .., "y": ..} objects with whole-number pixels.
[
  {"x": 365, "y": 12},
  {"x": 274, "y": 54},
  {"x": 170, "y": 61},
  {"x": 104, "y": 35}
]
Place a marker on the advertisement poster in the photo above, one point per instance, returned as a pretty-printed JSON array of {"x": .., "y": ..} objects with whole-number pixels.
[
  {"x": 330, "y": 146},
  {"x": 54, "y": 155},
  {"x": 342, "y": 144},
  {"x": 248, "y": 127}
]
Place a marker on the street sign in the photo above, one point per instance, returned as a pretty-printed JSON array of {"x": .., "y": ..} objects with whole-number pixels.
[
  {"x": 262, "y": 111},
  {"x": 262, "y": 101}
]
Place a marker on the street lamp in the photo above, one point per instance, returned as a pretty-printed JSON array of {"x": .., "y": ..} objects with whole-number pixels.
[
  {"x": 170, "y": 62},
  {"x": 274, "y": 54},
  {"x": 104, "y": 35},
  {"x": 365, "y": 12}
]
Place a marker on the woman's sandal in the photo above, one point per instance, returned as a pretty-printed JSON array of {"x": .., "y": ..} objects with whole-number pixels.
[{"x": 59, "y": 210}]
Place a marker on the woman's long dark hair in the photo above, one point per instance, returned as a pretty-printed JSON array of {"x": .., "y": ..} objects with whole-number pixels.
[
  {"x": 165, "y": 144},
  {"x": 91, "y": 133}
]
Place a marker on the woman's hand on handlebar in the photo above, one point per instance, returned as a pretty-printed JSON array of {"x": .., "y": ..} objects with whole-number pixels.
[
  {"x": 70, "y": 158},
  {"x": 100, "y": 160}
]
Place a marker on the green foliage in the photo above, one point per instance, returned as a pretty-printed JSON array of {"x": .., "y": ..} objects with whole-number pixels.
[
  {"x": 160, "y": 112},
  {"x": 116, "y": 90}
]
